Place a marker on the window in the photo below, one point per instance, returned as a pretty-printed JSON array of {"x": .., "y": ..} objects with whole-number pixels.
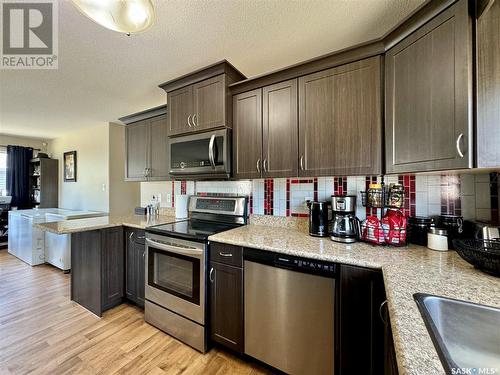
[{"x": 3, "y": 170}]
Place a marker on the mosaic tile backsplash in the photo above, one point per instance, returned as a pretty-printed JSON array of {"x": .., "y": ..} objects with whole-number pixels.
[{"x": 474, "y": 196}]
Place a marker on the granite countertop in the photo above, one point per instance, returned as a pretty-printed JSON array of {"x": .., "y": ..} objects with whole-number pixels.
[
  {"x": 94, "y": 223},
  {"x": 406, "y": 271}
]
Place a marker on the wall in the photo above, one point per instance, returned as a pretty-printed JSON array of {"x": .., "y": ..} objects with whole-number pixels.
[
  {"x": 470, "y": 195},
  {"x": 90, "y": 192},
  {"x": 123, "y": 196},
  {"x": 22, "y": 141}
]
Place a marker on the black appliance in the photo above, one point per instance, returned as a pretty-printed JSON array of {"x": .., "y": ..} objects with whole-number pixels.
[
  {"x": 176, "y": 267},
  {"x": 204, "y": 155},
  {"x": 319, "y": 218}
]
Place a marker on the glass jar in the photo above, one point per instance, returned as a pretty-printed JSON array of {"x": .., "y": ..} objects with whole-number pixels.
[
  {"x": 396, "y": 196},
  {"x": 374, "y": 195}
]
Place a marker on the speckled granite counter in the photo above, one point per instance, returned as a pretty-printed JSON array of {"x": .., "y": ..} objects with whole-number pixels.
[
  {"x": 406, "y": 271},
  {"x": 82, "y": 225}
]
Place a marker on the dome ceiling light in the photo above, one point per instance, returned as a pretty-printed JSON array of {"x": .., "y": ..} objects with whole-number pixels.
[{"x": 124, "y": 16}]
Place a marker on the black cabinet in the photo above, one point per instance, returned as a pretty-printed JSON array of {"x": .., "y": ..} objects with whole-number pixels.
[
  {"x": 390, "y": 363},
  {"x": 134, "y": 265},
  {"x": 97, "y": 269},
  {"x": 360, "y": 327},
  {"x": 226, "y": 296}
]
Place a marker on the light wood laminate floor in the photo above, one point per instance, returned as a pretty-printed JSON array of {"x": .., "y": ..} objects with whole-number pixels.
[{"x": 43, "y": 332}]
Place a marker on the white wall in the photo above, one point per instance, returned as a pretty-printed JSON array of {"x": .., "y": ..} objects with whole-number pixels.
[
  {"x": 90, "y": 192},
  {"x": 22, "y": 141},
  {"x": 123, "y": 196}
]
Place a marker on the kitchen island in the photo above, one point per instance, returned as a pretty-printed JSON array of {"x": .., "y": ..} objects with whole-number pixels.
[
  {"x": 107, "y": 261},
  {"x": 406, "y": 271}
]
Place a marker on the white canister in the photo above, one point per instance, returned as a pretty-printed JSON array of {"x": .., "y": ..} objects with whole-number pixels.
[
  {"x": 181, "y": 206},
  {"x": 437, "y": 239}
]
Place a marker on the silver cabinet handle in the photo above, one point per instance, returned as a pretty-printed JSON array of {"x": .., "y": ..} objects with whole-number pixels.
[
  {"x": 194, "y": 120},
  {"x": 264, "y": 164},
  {"x": 302, "y": 162},
  {"x": 227, "y": 255},
  {"x": 131, "y": 236},
  {"x": 258, "y": 165},
  {"x": 189, "y": 121},
  {"x": 141, "y": 237},
  {"x": 380, "y": 311},
  {"x": 212, "y": 271},
  {"x": 459, "y": 150},
  {"x": 145, "y": 172},
  {"x": 211, "y": 156}
]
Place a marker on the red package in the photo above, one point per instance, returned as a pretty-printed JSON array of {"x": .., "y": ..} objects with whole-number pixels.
[
  {"x": 394, "y": 226},
  {"x": 372, "y": 230}
]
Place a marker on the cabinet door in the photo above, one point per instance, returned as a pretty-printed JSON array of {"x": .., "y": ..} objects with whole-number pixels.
[
  {"x": 488, "y": 90},
  {"x": 113, "y": 267},
  {"x": 180, "y": 110},
  {"x": 86, "y": 270},
  {"x": 361, "y": 331},
  {"x": 428, "y": 96},
  {"x": 247, "y": 134},
  {"x": 340, "y": 127},
  {"x": 226, "y": 301},
  {"x": 158, "y": 151},
  {"x": 280, "y": 130},
  {"x": 137, "y": 150},
  {"x": 131, "y": 265},
  {"x": 210, "y": 103}
]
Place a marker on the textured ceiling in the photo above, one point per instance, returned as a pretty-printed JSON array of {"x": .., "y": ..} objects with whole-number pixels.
[{"x": 103, "y": 75}]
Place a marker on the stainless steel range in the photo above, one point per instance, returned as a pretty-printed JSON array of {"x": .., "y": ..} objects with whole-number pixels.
[{"x": 176, "y": 267}]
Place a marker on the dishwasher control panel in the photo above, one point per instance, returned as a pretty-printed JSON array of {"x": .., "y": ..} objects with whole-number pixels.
[{"x": 293, "y": 263}]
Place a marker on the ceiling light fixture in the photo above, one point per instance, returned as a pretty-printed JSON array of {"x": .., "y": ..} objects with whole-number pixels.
[{"x": 124, "y": 16}]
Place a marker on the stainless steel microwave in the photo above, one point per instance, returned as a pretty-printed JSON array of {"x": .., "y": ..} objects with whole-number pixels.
[{"x": 203, "y": 155}]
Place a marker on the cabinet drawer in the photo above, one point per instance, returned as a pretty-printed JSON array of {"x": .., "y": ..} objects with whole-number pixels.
[{"x": 226, "y": 254}]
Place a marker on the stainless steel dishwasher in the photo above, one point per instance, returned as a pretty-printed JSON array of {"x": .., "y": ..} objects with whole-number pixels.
[{"x": 289, "y": 312}]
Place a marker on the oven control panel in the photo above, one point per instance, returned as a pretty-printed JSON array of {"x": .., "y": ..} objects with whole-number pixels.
[{"x": 215, "y": 204}]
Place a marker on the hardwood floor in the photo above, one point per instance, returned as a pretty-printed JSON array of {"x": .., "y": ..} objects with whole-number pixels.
[{"x": 43, "y": 332}]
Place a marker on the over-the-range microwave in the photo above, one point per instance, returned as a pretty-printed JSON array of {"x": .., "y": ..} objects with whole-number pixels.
[{"x": 204, "y": 155}]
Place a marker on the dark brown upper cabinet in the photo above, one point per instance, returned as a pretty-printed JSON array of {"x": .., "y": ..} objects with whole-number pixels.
[
  {"x": 209, "y": 103},
  {"x": 146, "y": 136},
  {"x": 247, "y": 134},
  {"x": 280, "y": 129},
  {"x": 488, "y": 86},
  {"x": 201, "y": 100},
  {"x": 265, "y": 132},
  {"x": 340, "y": 120},
  {"x": 180, "y": 110},
  {"x": 429, "y": 114}
]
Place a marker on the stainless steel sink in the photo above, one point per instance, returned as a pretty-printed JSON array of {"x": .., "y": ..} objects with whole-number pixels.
[{"x": 466, "y": 335}]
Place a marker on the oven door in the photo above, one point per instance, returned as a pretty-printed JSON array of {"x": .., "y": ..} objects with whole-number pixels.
[
  {"x": 206, "y": 154},
  {"x": 175, "y": 275}
]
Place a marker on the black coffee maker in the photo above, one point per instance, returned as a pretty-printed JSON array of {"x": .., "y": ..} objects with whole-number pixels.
[{"x": 319, "y": 218}]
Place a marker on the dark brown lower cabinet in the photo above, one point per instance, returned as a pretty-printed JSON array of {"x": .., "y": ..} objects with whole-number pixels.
[
  {"x": 135, "y": 249},
  {"x": 360, "y": 327},
  {"x": 390, "y": 363},
  {"x": 97, "y": 269},
  {"x": 226, "y": 305}
]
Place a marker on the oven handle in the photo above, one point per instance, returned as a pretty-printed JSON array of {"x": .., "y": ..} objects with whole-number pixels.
[
  {"x": 174, "y": 249},
  {"x": 211, "y": 151}
]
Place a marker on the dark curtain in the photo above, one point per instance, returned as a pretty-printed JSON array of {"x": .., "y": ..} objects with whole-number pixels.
[{"x": 18, "y": 159}]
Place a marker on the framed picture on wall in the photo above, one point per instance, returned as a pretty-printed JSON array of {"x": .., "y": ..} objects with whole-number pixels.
[{"x": 70, "y": 166}]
